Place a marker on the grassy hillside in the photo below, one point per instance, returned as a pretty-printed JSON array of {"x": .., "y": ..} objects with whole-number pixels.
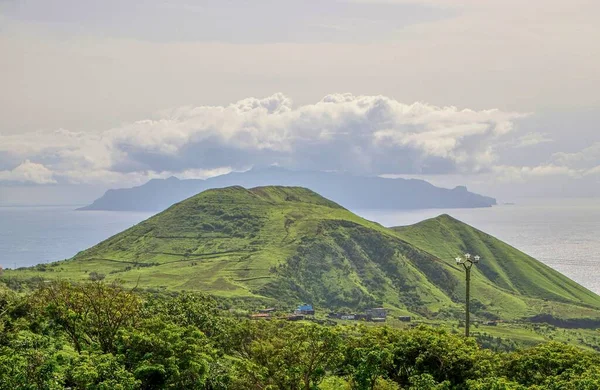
[
  {"x": 503, "y": 270},
  {"x": 289, "y": 244}
]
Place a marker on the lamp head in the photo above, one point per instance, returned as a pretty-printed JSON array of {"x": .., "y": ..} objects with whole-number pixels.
[
  {"x": 458, "y": 260},
  {"x": 476, "y": 259},
  {"x": 467, "y": 256}
]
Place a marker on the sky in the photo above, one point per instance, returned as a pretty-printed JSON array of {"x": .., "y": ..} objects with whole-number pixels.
[{"x": 498, "y": 95}]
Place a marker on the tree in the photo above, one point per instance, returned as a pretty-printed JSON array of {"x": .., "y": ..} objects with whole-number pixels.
[
  {"x": 187, "y": 309},
  {"x": 29, "y": 361},
  {"x": 319, "y": 349},
  {"x": 426, "y": 382},
  {"x": 99, "y": 372},
  {"x": 494, "y": 383},
  {"x": 434, "y": 352},
  {"x": 89, "y": 313},
  {"x": 549, "y": 364},
  {"x": 368, "y": 358},
  {"x": 586, "y": 379},
  {"x": 166, "y": 355},
  {"x": 291, "y": 355},
  {"x": 334, "y": 383},
  {"x": 95, "y": 276}
]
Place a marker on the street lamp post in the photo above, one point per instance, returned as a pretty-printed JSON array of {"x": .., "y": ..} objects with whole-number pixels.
[{"x": 467, "y": 262}]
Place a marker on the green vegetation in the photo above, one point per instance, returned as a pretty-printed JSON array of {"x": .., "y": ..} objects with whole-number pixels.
[
  {"x": 503, "y": 266},
  {"x": 164, "y": 305},
  {"x": 99, "y": 335},
  {"x": 286, "y": 245}
]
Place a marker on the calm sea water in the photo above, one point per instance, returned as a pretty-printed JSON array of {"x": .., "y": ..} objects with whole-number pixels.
[
  {"x": 565, "y": 234},
  {"x": 34, "y": 235}
]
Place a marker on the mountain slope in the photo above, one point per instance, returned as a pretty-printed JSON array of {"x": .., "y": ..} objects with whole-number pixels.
[
  {"x": 501, "y": 265},
  {"x": 351, "y": 191},
  {"x": 282, "y": 242},
  {"x": 289, "y": 245}
]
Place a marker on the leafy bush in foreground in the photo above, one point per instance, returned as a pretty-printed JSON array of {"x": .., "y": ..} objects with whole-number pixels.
[{"x": 96, "y": 335}]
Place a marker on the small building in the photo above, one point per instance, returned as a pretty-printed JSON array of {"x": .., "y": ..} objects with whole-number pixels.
[
  {"x": 348, "y": 317},
  {"x": 295, "y": 317},
  {"x": 268, "y": 310},
  {"x": 260, "y": 316},
  {"x": 305, "y": 309},
  {"x": 490, "y": 323},
  {"x": 377, "y": 312},
  {"x": 404, "y": 318}
]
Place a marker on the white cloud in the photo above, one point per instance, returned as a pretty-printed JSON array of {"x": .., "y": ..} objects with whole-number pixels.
[
  {"x": 203, "y": 173},
  {"x": 578, "y": 165},
  {"x": 361, "y": 134},
  {"x": 593, "y": 171},
  {"x": 509, "y": 173},
  {"x": 28, "y": 172},
  {"x": 467, "y": 57},
  {"x": 532, "y": 139},
  {"x": 587, "y": 158},
  {"x": 134, "y": 178},
  {"x": 514, "y": 173}
]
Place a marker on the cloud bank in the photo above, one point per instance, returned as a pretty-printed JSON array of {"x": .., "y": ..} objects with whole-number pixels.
[
  {"x": 28, "y": 172},
  {"x": 342, "y": 132}
]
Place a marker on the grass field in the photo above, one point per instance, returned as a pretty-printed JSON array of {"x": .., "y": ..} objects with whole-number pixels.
[{"x": 290, "y": 245}]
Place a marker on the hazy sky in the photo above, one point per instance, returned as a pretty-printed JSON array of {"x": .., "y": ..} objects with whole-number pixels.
[{"x": 501, "y": 95}]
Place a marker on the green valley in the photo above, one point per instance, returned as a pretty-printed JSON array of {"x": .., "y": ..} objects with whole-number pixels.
[{"x": 284, "y": 245}]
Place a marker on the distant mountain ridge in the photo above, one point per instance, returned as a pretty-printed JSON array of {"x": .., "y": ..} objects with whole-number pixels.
[{"x": 355, "y": 192}]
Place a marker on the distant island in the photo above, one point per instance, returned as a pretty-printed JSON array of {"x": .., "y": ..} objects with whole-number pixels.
[{"x": 354, "y": 192}]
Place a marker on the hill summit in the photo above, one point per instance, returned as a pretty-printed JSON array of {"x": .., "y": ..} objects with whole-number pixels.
[{"x": 291, "y": 245}]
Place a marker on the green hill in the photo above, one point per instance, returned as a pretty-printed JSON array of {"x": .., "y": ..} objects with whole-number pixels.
[
  {"x": 502, "y": 266},
  {"x": 506, "y": 278},
  {"x": 289, "y": 244}
]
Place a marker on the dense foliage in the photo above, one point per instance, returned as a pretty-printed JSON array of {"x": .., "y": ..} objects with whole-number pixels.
[{"x": 99, "y": 335}]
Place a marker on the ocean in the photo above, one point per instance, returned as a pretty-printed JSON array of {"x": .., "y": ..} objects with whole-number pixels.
[
  {"x": 564, "y": 233},
  {"x": 34, "y": 235}
]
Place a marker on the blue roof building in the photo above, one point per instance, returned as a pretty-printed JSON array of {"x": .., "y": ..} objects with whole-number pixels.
[{"x": 305, "y": 309}]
